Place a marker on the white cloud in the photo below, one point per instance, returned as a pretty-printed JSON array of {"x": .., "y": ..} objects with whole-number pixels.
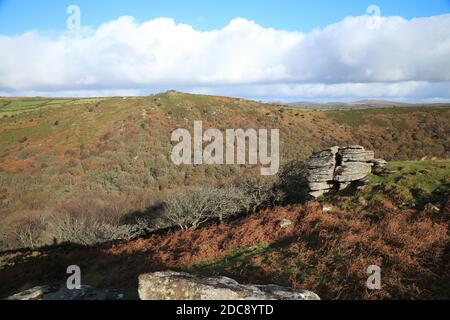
[{"x": 401, "y": 58}]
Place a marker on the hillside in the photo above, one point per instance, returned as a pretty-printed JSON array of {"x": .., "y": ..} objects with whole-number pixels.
[
  {"x": 90, "y": 181},
  {"x": 326, "y": 251},
  {"x": 112, "y": 155}
]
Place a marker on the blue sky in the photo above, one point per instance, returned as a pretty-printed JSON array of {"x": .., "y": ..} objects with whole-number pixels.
[
  {"x": 266, "y": 50},
  {"x": 17, "y": 16}
]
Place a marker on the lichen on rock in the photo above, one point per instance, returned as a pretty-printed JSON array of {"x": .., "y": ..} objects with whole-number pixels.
[{"x": 183, "y": 286}]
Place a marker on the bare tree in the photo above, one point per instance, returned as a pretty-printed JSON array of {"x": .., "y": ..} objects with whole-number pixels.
[
  {"x": 28, "y": 231},
  {"x": 191, "y": 209}
]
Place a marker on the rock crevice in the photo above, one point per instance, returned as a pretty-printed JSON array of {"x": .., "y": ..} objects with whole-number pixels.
[{"x": 337, "y": 168}]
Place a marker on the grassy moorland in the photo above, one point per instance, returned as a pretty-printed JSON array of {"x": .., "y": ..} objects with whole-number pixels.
[
  {"x": 86, "y": 181},
  {"x": 326, "y": 251},
  {"x": 113, "y": 154}
]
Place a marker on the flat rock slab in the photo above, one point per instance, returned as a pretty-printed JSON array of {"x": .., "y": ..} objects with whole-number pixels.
[
  {"x": 183, "y": 286},
  {"x": 316, "y": 186},
  {"x": 352, "y": 171}
]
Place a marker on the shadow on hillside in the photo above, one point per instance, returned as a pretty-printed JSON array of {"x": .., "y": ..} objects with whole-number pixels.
[
  {"x": 422, "y": 197},
  {"x": 117, "y": 266},
  {"x": 99, "y": 268},
  {"x": 238, "y": 265},
  {"x": 292, "y": 183}
]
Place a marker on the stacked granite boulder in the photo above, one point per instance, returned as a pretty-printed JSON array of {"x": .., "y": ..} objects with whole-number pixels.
[{"x": 337, "y": 168}]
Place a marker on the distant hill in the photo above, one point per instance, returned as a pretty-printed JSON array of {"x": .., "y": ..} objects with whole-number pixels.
[{"x": 362, "y": 104}]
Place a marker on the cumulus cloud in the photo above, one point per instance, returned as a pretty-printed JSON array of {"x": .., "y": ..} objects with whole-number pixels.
[
  {"x": 406, "y": 90},
  {"x": 399, "y": 58}
]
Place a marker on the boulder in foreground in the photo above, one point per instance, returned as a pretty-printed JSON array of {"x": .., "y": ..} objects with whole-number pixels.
[{"x": 183, "y": 286}]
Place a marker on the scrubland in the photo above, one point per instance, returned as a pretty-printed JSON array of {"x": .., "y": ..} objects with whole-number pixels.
[{"x": 90, "y": 182}]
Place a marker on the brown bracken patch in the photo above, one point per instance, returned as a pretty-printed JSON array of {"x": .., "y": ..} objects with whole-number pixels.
[{"x": 326, "y": 252}]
